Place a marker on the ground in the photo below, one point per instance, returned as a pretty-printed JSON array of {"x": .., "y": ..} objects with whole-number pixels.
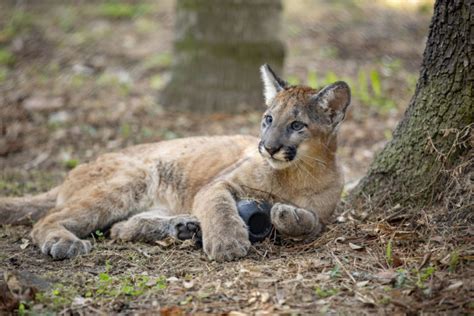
[{"x": 77, "y": 81}]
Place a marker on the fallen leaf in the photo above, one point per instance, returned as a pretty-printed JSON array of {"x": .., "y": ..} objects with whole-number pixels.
[
  {"x": 322, "y": 277},
  {"x": 188, "y": 243},
  {"x": 438, "y": 239},
  {"x": 172, "y": 279},
  {"x": 362, "y": 283},
  {"x": 188, "y": 284},
  {"x": 365, "y": 299},
  {"x": 166, "y": 243},
  {"x": 79, "y": 301},
  {"x": 171, "y": 311},
  {"x": 24, "y": 243},
  {"x": 356, "y": 247},
  {"x": 386, "y": 276},
  {"x": 455, "y": 286},
  {"x": 43, "y": 103}
]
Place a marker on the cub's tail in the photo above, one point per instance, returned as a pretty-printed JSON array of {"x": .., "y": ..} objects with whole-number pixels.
[{"x": 26, "y": 210}]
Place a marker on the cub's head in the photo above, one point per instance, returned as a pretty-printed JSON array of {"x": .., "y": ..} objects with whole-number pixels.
[{"x": 300, "y": 122}]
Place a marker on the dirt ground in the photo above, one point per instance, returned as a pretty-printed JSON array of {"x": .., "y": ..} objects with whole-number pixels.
[{"x": 79, "y": 80}]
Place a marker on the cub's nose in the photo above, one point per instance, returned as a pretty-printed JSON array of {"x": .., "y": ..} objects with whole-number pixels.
[{"x": 272, "y": 150}]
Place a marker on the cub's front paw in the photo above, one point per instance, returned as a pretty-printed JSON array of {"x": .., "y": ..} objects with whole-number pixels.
[
  {"x": 226, "y": 244},
  {"x": 64, "y": 246},
  {"x": 294, "y": 222}
]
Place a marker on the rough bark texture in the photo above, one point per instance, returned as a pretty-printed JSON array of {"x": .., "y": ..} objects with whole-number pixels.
[
  {"x": 432, "y": 140},
  {"x": 219, "y": 46}
]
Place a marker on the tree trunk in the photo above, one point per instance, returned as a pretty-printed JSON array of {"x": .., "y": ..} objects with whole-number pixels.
[
  {"x": 432, "y": 145},
  {"x": 219, "y": 46}
]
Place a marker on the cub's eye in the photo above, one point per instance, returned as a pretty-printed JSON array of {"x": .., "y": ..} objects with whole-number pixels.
[
  {"x": 268, "y": 119},
  {"x": 297, "y": 125}
]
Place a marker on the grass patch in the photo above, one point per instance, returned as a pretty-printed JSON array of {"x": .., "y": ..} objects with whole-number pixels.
[
  {"x": 18, "y": 23},
  {"x": 102, "y": 288},
  {"x": 6, "y": 58},
  {"x": 17, "y": 184},
  {"x": 71, "y": 163},
  {"x": 388, "y": 253},
  {"x": 119, "y": 10},
  {"x": 325, "y": 292},
  {"x": 3, "y": 74},
  {"x": 158, "y": 61}
]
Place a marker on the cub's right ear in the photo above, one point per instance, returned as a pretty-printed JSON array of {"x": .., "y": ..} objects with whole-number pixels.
[{"x": 272, "y": 84}]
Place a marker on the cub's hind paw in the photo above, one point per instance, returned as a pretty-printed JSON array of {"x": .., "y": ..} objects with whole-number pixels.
[
  {"x": 147, "y": 228},
  {"x": 122, "y": 231},
  {"x": 64, "y": 247}
]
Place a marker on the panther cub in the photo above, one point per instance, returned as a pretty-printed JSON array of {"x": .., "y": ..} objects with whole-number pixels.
[{"x": 174, "y": 188}]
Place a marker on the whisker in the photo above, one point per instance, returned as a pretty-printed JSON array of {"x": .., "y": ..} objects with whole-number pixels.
[
  {"x": 307, "y": 171},
  {"x": 314, "y": 158},
  {"x": 304, "y": 162},
  {"x": 300, "y": 172}
]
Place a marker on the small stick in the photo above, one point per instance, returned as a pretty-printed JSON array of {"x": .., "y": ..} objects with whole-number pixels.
[{"x": 343, "y": 268}]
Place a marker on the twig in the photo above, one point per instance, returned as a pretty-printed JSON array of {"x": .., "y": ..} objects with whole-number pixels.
[
  {"x": 343, "y": 267},
  {"x": 143, "y": 252}
]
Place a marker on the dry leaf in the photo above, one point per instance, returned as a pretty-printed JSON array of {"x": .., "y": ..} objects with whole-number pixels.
[
  {"x": 386, "y": 276},
  {"x": 43, "y": 103},
  {"x": 166, "y": 243},
  {"x": 25, "y": 243},
  {"x": 362, "y": 283},
  {"x": 172, "y": 279},
  {"x": 438, "y": 239},
  {"x": 188, "y": 243},
  {"x": 322, "y": 277},
  {"x": 365, "y": 299},
  {"x": 356, "y": 247},
  {"x": 188, "y": 284},
  {"x": 455, "y": 286},
  {"x": 171, "y": 311}
]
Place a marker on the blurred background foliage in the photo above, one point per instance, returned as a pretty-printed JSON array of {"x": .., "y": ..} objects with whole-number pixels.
[{"x": 78, "y": 78}]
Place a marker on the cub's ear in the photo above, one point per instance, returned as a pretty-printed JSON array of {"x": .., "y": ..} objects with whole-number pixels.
[
  {"x": 272, "y": 84},
  {"x": 332, "y": 102}
]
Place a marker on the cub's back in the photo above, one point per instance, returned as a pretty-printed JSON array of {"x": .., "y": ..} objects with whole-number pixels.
[{"x": 198, "y": 158}]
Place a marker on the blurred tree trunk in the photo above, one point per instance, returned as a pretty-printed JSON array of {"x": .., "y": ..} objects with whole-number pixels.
[
  {"x": 219, "y": 46},
  {"x": 432, "y": 145}
]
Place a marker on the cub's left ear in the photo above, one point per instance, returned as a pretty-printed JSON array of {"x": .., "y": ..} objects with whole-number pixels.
[{"x": 333, "y": 101}]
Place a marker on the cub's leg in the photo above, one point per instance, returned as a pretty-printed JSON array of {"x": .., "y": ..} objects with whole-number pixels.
[
  {"x": 295, "y": 222},
  {"x": 224, "y": 233},
  {"x": 95, "y": 207},
  {"x": 153, "y": 225}
]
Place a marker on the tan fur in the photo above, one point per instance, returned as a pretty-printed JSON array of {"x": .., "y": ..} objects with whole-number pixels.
[{"x": 168, "y": 188}]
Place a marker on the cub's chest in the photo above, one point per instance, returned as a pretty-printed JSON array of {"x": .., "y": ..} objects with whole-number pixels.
[{"x": 301, "y": 197}]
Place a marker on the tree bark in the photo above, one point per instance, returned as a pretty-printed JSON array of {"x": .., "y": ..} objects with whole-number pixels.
[
  {"x": 433, "y": 142},
  {"x": 219, "y": 46}
]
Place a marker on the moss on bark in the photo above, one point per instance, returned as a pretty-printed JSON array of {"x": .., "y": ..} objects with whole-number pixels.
[
  {"x": 433, "y": 137},
  {"x": 219, "y": 46}
]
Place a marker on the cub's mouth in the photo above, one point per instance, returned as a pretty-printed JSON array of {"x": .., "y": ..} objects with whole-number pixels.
[{"x": 278, "y": 158}]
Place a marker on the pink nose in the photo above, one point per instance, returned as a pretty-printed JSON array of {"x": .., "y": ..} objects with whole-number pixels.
[{"x": 272, "y": 150}]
